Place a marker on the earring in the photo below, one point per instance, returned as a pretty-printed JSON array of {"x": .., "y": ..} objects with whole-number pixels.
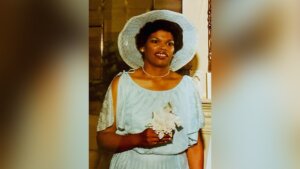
[{"x": 142, "y": 50}]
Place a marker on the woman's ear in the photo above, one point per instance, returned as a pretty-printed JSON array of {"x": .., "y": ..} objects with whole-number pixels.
[{"x": 142, "y": 49}]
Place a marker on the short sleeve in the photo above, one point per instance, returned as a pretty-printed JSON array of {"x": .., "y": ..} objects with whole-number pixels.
[
  {"x": 106, "y": 115},
  {"x": 197, "y": 120}
]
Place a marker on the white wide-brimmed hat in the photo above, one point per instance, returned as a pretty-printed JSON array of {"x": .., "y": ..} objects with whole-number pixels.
[{"x": 131, "y": 55}]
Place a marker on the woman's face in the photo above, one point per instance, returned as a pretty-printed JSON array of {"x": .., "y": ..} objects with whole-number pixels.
[{"x": 159, "y": 48}]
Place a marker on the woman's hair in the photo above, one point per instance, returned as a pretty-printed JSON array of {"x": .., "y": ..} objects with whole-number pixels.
[{"x": 151, "y": 27}]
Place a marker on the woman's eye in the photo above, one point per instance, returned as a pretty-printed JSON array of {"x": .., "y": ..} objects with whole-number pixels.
[
  {"x": 154, "y": 41},
  {"x": 171, "y": 43}
]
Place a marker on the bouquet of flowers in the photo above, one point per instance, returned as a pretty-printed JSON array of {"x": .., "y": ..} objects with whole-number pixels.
[{"x": 164, "y": 122}]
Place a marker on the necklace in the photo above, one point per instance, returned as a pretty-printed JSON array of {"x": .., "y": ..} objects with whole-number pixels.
[{"x": 148, "y": 74}]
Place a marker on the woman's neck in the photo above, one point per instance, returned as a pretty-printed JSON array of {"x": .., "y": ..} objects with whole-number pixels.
[{"x": 156, "y": 72}]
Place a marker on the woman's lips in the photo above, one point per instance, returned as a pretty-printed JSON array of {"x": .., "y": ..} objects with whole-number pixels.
[{"x": 161, "y": 55}]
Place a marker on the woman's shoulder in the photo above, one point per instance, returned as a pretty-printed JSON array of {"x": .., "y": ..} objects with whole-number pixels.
[
  {"x": 186, "y": 81},
  {"x": 119, "y": 76},
  {"x": 136, "y": 74},
  {"x": 176, "y": 75},
  {"x": 114, "y": 84},
  {"x": 119, "y": 84},
  {"x": 185, "y": 78}
]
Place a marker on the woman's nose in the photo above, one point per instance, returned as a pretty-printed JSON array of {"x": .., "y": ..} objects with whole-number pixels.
[{"x": 163, "y": 46}]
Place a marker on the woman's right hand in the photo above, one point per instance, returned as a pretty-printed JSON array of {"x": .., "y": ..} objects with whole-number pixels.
[{"x": 148, "y": 139}]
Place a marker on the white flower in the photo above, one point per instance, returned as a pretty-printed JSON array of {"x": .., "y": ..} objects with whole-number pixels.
[{"x": 164, "y": 121}]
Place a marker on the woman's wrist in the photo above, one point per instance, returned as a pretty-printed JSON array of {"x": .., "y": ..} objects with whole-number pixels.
[
  {"x": 138, "y": 140},
  {"x": 135, "y": 140}
]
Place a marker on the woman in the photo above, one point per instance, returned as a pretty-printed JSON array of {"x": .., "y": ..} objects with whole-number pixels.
[{"x": 152, "y": 95}]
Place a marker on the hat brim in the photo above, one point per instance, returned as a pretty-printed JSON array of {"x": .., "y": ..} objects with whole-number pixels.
[{"x": 131, "y": 55}]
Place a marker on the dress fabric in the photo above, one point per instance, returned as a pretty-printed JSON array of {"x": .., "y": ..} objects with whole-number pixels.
[{"x": 135, "y": 105}]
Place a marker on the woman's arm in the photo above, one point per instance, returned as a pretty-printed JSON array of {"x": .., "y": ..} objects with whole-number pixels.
[
  {"x": 107, "y": 139},
  {"x": 195, "y": 154},
  {"x": 110, "y": 141}
]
